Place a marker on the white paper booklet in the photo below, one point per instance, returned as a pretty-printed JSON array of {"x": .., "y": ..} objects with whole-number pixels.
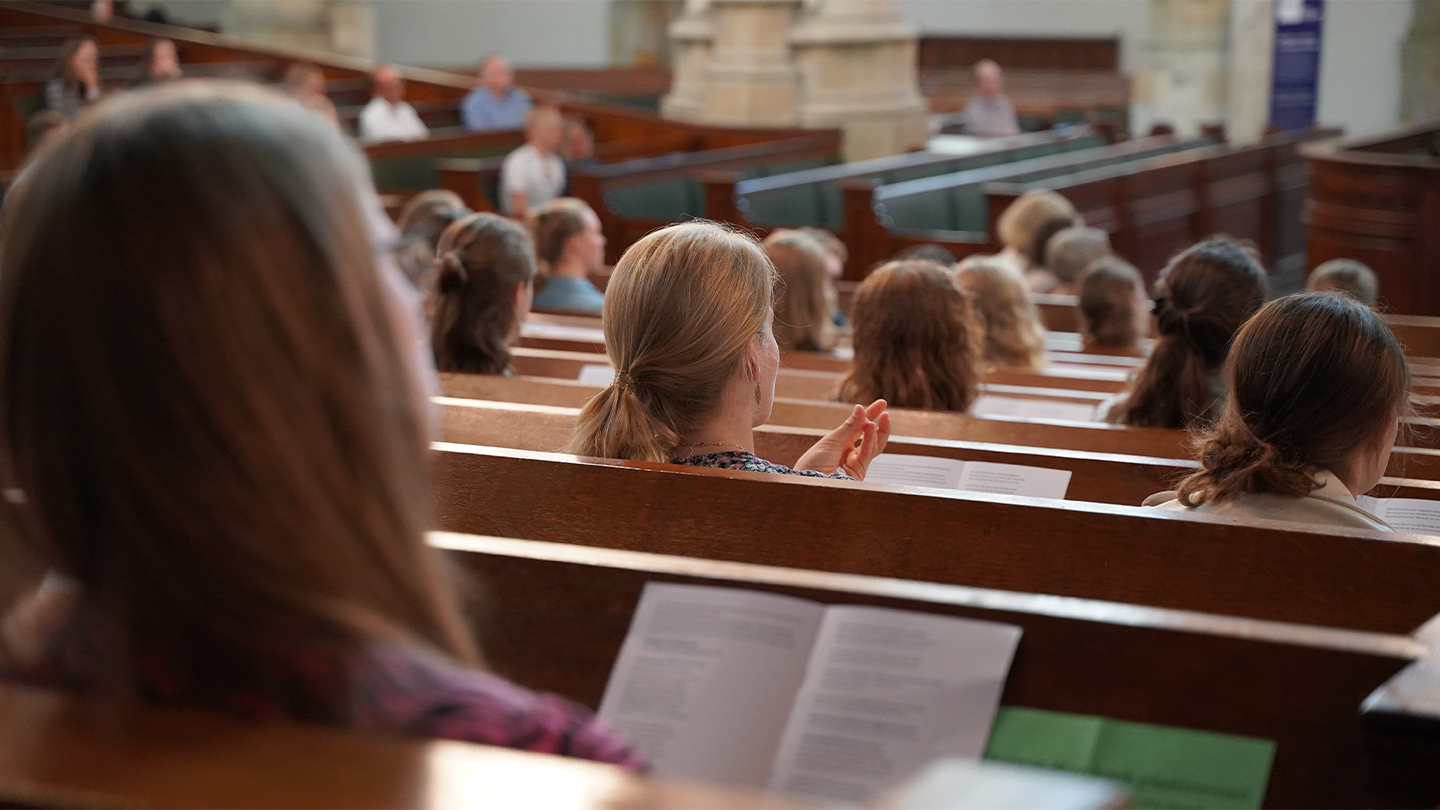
[
  {"x": 1415, "y": 515},
  {"x": 597, "y": 374},
  {"x": 970, "y": 476},
  {"x": 836, "y": 703},
  {"x": 562, "y": 331},
  {"x": 991, "y": 405}
]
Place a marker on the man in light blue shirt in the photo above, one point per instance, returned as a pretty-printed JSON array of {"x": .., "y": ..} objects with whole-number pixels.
[{"x": 497, "y": 103}]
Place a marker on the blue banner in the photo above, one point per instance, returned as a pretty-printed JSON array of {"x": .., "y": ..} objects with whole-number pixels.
[{"x": 1295, "y": 77}]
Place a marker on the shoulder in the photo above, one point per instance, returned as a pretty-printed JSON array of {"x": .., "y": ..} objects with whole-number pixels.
[
  {"x": 424, "y": 695},
  {"x": 519, "y": 94}
]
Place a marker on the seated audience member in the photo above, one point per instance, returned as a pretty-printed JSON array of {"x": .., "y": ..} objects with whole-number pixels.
[
  {"x": 1317, "y": 385},
  {"x": 989, "y": 112},
  {"x": 1346, "y": 276},
  {"x": 484, "y": 281},
  {"x": 805, "y": 299},
  {"x": 496, "y": 103},
  {"x": 688, "y": 331},
  {"x": 836, "y": 255},
  {"x": 43, "y": 127},
  {"x": 75, "y": 80},
  {"x": 1022, "y": 221},
  {"x": 1014, "y": 337},
  {"x": 228, "y": 482},
  {"x": 578, "y": 144},
  {"x": 1114, "y": 312},
  {"x": 421, "y": 222},
  {"x": 571, "y": 246},
  {"x": 306, "y": 83},
  {"x": 1069, "y": 252},
  {"x": 926, "y": 253},
  {"x": 1201, "y": 299},
  {"x": 917, "y": 342},
  {"x": 388, "y": 116},
  {"x": 1038, "y": 277},
  {"x": 534, "y": 174},
  {"x": 160, "y": 64}
]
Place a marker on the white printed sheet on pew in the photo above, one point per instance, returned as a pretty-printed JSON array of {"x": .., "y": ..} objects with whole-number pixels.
[
  {"x": 833, "y": 703},
  {"x": 968, "y": 476},
  {"x": 1414, "y": 515},
  {"x": 597, "y": 374},
  {"x": 562, "y": 331}
]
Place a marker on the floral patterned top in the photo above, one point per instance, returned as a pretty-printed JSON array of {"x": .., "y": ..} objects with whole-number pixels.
[{"x": 741, "y": 460}]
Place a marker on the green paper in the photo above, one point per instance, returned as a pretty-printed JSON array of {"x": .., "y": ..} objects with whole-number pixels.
[{"x": 1162, "y": 766}]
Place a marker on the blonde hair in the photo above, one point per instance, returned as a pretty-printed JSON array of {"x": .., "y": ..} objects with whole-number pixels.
[
  {"x": 805, "y": 301},
  {"x": 1347, "y": 276},
  {"x": 917, "y": 342},
  {"x": 682, "y": 310},
  {"x": 1023, "y": 218},
  {"x": 1014, "y": 337}
]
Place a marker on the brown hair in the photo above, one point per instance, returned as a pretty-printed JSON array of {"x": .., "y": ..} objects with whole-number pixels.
[
  {"x": 917, "y": 343},
  {"x": 682, "y": 310},
  {"x": 42, "y": 123},
  {"x": 1014, "y": 337},
  {"x": 928, "y": 252},
  {"x": 421, "y": 222},
  {"x": 804, "y": 300},
  {"x": 828, "y": 241},
  {"x": 1312, "y": 378},
  {"x": 483, "y": 258},
  {"x": 1021, "y": 219},
  {"x": 1039, "y": 251},
  {"x": 217, "y": 436},
  {"x": 553, "y": 226},
  {"x": 1072, "y": 250},
  {"x": 1108, "y": 290},
  {"x": 1202, "y": 297},
  {"x": 62, "y": 68},
  {"x": 1347, "y": 276}
]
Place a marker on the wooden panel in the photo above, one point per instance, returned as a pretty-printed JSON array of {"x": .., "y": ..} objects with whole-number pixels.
[{"x": 1055, "y": 53}]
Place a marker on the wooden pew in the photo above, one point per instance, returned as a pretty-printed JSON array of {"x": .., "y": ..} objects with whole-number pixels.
[
  {"x": 1351, "y": 578},
  {"x": 61, "y": 750},
  {"x": 560, "y": 613},
  {"x": 1123, "y": 480},
  {"x": 1094, "y": 437}
]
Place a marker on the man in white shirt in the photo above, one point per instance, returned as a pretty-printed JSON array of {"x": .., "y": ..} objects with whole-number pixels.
[
  {"x": 534, "y": 174},
  {"x": 989, "y": 112},
  {"x": 388, "y": 117}
]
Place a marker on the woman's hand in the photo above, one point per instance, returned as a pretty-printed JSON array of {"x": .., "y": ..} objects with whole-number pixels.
[{"x": 849, "y": 448}]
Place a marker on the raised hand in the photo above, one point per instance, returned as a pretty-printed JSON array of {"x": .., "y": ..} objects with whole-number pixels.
[{"x": 849, "y": 448}]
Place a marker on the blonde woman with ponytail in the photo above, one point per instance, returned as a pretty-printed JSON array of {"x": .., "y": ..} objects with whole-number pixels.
[
  {"x": 1317, "y": 386},
  {"x": 688, "y": 329}
]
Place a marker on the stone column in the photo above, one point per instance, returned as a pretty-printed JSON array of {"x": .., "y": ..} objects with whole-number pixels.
[
  {"x": 1420, "y": 64},
  {"x": 1252, "y": 58},
  {"x": 1182, "y": 81},
  {"x": 331, "y": 26},
  {"x": 751, "y": 79},
  {"x": 691, "y": 36},
  {"x": 857, "y": 72}
]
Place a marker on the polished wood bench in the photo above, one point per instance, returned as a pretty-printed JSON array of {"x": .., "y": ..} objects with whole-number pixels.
[
  {"x": 1353, "y": 578},
  {"x": 558, "y": 614}
]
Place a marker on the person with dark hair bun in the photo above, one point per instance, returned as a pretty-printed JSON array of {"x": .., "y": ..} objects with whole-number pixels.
[
  {"x": 1317, "y": 385},
  {"x": 1202, "y": 298}
]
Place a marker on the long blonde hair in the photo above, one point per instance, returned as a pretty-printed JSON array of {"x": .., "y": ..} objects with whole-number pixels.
[
  {"x": 1014, "y": 337},
  {"x": 216, "y": 429},
  {"x": 805, "y": 300},
  {"x": 1023, "y": 219},
  {"x": 681, "y": 312}
]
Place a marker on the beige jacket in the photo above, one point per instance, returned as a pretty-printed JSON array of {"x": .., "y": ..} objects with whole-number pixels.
[{"x": 1330, "y": 505}]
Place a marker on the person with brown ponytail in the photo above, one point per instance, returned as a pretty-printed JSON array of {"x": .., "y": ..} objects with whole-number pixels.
[
  {"x": 1317, "y": 386},
  {"x": 482, "y": 293},
  {"x": 1202, "y": 297},
  {"x": 570, "y": 246},
  {"x": 688, "y": 329},
  {"x": 917, "y": 341}
]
